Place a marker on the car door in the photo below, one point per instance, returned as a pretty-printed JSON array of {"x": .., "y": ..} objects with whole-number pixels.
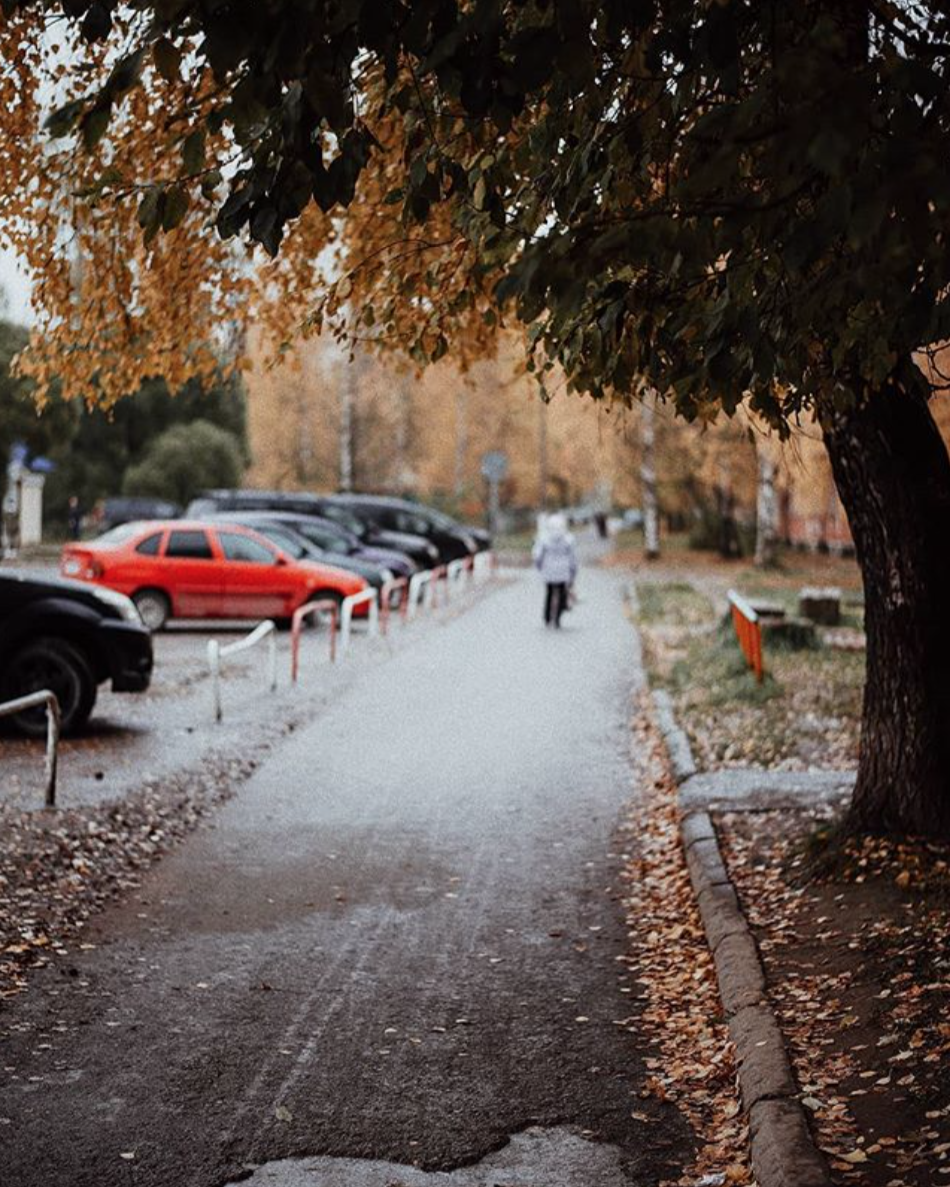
[
  {"x": 255, "y": 584},
  {"x": 191, "y": 574}
]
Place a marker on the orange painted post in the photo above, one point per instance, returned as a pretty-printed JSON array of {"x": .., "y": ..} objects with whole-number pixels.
[
  {"x": 324, "y": 604},
  {"x": 748, "y": 632}
]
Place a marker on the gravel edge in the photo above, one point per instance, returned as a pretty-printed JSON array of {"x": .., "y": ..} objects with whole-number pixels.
[{"x": 783, "y": 1151}]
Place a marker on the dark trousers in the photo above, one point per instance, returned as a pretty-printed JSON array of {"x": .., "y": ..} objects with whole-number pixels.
[{"x": 555, "y": 602}]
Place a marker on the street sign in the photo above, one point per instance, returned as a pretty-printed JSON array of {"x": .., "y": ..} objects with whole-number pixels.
[{"x": 495, "y": 465}]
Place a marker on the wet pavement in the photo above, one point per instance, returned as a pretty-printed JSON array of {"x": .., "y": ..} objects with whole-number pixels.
[{"x": 394, "y": 959}]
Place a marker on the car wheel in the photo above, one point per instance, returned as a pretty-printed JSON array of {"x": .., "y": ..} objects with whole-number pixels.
[
  {"x": 153, "y": 606},
  {"x": 62, "y": 668}
]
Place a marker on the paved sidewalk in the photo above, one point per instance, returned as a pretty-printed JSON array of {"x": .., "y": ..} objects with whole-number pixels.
[{"x": 397, "y": 946}]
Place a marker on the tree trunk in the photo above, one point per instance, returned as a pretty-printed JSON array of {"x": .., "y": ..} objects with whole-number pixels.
[
  {"x": 347, "y": 395},
  {"x": 766, "y": 514},
  {"x": 651, "y": 515},
  {"x": 893, "y": 474}
]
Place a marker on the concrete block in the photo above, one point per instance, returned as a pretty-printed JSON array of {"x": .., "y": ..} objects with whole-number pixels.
[
  {"x": 764, "y": 1070},
  {"x": 822, "y": 606},
  {"x": 721, "y": 914},
  {"x": 697, "y": 826},
  {"x": 705, "y": 865},
  {"x": 740, "y": 973},
  {"x": 783, "y": 1152}
]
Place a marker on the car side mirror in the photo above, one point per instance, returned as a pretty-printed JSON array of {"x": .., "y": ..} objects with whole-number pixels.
[{"x": 281, "y": 560}]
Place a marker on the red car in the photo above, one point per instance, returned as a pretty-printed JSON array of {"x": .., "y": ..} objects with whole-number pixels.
[{"x": 186, "y": 569}]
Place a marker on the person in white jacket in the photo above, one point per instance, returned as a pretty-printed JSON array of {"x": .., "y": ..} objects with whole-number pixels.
[{"x": 555, "y": 559}]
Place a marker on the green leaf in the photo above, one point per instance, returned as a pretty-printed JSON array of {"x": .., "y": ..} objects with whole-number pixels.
[
  {"x": 167, "y": 59},
  {"x": 479, "y": 194},
  {"x": 175, "y": 207},
  {"x": 62, "y": 121},
  {"x": 94, "y": 125},
  {"x": 150, "y": 211},
  {"x": 193, "y": 152},
  {"x": 266, "y": 228}
]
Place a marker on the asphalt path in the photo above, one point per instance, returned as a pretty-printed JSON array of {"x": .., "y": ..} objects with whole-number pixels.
[{"x": 393, "y": 959}]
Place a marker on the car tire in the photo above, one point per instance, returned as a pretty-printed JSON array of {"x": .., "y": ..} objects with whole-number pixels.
[
  {"x": 56, "y": 664},
  {"x": 154, "y": 608}
]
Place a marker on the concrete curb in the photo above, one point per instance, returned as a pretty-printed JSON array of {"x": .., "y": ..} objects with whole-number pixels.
[
  {"x": 677, "y": 743},
  {"x": 783, "y": 1151}
]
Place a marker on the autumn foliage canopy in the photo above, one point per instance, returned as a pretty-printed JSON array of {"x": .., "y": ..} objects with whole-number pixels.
[{"x": 706, "y": 198}]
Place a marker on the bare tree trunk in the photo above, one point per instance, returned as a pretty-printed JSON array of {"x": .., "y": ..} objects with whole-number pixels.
[
  {"x": 766, "y": 514},
  {"x": 543, "y": 455},
  {"x": 461, "y": 437},
  {"x": 893, "y": 474},
  {"x": 347, "y": 396},
  {"x": 651, "y": 513}
]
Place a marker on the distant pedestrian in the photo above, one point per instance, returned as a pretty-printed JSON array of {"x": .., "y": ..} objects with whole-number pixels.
[
  {"x": 74, "y": 518},
  {"x": 556, "y": 560}
]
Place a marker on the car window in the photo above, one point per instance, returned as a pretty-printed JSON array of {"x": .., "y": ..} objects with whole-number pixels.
[
  {"x": 290, "y": 543},
  {"x": 191, "y": 544},
  {"x": 242, "y": 548},
  {"x": 318, "y": 536},
  {"x": 406, "y": 522},
  {"x": 149, "y": 546}
]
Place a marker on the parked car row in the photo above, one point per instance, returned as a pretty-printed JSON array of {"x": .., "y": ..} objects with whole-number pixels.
[{"x": 236, "y": 554}]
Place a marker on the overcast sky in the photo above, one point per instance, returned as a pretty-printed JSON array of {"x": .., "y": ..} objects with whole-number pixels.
[{"x": 15, "y": 305}]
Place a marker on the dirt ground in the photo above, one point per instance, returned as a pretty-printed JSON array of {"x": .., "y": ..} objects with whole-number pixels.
[
  {"x": 856, "y": 944},
  {"x": 855, "y": 935}
]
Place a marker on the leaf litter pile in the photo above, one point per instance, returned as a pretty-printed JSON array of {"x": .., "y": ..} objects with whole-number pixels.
[
  {"x": 694, "y": 1068},
  {"x": 57, "y": 869},
  {"x": 855, "y": 935}
]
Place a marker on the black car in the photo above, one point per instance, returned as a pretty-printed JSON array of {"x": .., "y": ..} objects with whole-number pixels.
[
  {"x": 419, "y": 549},
  {"x": 453, "y": 541},
  {"x": 129, "y": 508},
  {"x": 68, "y": 637}
]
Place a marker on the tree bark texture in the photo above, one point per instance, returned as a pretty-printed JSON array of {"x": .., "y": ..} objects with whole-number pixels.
[{"x": 892, "y": 471}]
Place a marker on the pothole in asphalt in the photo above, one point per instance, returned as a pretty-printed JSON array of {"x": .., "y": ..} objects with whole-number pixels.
[{"x": 533, "y": 1158}]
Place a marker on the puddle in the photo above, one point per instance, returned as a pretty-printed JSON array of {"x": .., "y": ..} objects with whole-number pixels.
[{"x": 533, "y": 1158}]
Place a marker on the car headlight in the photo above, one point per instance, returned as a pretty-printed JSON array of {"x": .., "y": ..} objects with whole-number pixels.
[
  {"x": 124, "y": 605},
  {"x": 432, "y": 552}
]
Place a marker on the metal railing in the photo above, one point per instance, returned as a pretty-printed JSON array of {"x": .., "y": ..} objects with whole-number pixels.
[
  {"x": 216, "y": 653},
  {"x": 366, "y": 596},
  {"x": 748, "y": 632},
  {"x": 418, "y": 584},
  {"x": 432, "y": 589},
  {"x": 455, "y": 574},
  {"x": 396, "y": 585},
  {"x": 483, "y": 564},
  {"x": 321, "y": 606},
  {"x": 32, "y": 701}
]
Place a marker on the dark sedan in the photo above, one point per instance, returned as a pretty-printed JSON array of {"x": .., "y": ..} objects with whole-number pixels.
[
  {"x": 335, "y": 538},
  {"x": 418, "y": 548},
  {"x": 69, "y": 638},
  {"x": 453, "y": 541}
]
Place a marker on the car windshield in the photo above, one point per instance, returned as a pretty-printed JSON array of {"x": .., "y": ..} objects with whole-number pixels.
[
  {"x": 347, "y": 519},
  {"x": 290, "y": 542},
  {"x": 119, "y": 534}
]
